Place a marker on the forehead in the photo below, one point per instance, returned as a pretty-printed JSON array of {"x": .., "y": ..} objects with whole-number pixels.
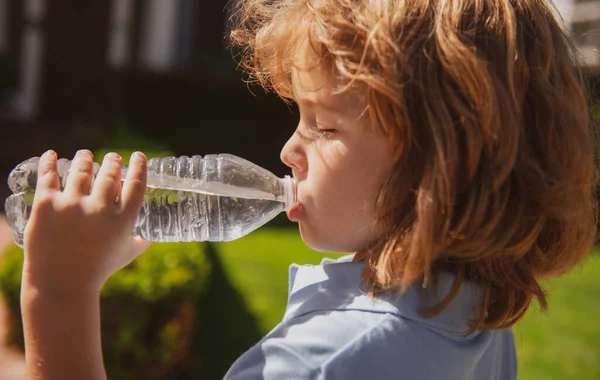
[
  {"x": 310, "y": 73},
  {"x": 314, "y": 80}
]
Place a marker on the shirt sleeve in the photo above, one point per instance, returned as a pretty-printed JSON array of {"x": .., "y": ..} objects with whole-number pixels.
[
  {"x": 273, "y": 358},
  {"x": 293, "y": 350},
  {"x": 315, "y": 346}
]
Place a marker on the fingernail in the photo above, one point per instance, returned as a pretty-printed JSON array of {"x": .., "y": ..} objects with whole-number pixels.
[
  {"x": 49, "y": 154},
  {"x": 84, "y": 151},
  {"x": 139, "y": 155},
  {"x": 112, "y": 155}
]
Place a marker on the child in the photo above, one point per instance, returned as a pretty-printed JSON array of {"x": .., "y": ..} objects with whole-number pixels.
[{"x": 445, "y": 143}]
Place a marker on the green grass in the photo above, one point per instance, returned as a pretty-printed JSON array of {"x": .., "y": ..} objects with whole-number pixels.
[
  {"x": 563, "y": 343},
  {"x": 258, "y": 268}
]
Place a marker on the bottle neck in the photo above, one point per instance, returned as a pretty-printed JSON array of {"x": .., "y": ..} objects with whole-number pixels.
[{"x": 289, "y": 191}]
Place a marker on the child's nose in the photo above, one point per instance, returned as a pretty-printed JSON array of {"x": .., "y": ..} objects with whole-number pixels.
[{"x": 292, "y": 154}]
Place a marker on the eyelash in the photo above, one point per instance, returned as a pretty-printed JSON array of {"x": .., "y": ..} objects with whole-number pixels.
[
  {"x": 316, "y": 132},
  {"x": 326, "y": 133}
]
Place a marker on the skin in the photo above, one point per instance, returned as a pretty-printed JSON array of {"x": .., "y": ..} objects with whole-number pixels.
[
  {"x": 339, "y": 164},
  {"x": 61, "y": 282},
  {"x": 338, "y": 161}
]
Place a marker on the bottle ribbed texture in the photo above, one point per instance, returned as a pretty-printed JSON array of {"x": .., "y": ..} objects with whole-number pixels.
[{"x": 211, "y": 198}]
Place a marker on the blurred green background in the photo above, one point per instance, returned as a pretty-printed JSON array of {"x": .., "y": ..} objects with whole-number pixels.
[{"x": 158, "y": 76}]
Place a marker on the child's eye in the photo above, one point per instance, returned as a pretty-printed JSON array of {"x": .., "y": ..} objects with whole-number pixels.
[
  {"x": 315, "y": 132},
  {"x": 325, "y": 132}
]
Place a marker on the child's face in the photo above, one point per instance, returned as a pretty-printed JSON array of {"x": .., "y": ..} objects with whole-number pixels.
[{"x": 338, "y": 161}]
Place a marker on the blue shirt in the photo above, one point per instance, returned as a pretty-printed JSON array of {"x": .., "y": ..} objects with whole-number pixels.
[{"x": 333, "y": 330}]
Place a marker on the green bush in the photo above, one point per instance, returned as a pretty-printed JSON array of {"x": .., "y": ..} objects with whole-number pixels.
[
  {"x": 148, "y": 309},
  {"x": 125, "y": 141}
]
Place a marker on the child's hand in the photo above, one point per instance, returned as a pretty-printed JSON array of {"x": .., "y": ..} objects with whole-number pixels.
[{"x": 76, "y": 239}]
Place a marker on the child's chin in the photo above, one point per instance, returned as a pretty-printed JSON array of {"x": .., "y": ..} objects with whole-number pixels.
[
  {"x": 313, "y": 242},
  {"x": 320, "y": 244}
]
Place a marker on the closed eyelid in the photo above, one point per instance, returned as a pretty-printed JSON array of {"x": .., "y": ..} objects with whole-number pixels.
[
  {"x": 302, "y": 136},
  {"x": 314, "y": 134}
]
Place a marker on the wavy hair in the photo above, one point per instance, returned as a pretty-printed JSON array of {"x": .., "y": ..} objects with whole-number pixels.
[{"x": 484, "y": 106}]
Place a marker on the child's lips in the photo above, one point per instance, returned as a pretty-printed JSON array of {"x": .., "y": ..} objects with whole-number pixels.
[{"x": 292, "y": 213}]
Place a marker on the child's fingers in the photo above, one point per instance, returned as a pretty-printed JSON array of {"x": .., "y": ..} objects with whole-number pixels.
[
  {"x": 107, "y": 185},
  {"x": 135, "y": 184},
  {"x": 47, "y": 176},
  {"x": 79, "y": 181}
]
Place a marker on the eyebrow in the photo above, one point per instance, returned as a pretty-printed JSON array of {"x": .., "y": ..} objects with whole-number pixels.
[{"x": 311, "y": 103}]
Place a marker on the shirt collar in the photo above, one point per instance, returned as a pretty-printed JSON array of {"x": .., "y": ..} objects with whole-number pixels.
[{"x": 337, "y": 285}]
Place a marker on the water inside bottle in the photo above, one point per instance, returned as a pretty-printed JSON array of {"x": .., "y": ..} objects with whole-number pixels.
[
  {"x": 175, "y": 215},
  {"x": 171, "y": 216}
]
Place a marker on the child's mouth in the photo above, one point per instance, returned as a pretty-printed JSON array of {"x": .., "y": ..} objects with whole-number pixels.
[{"x": 293, "y": 211}]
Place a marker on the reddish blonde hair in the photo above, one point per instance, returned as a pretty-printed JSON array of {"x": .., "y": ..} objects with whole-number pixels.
[{"x": 484, "y": 106}]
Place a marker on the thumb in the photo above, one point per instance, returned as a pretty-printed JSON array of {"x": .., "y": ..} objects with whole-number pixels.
[
  {"x": 134, "y": 247},
  {"x": 140, "y": 245}
]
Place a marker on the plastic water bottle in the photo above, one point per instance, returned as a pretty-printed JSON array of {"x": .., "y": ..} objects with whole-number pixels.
[{"x": 211, "y": 198}]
